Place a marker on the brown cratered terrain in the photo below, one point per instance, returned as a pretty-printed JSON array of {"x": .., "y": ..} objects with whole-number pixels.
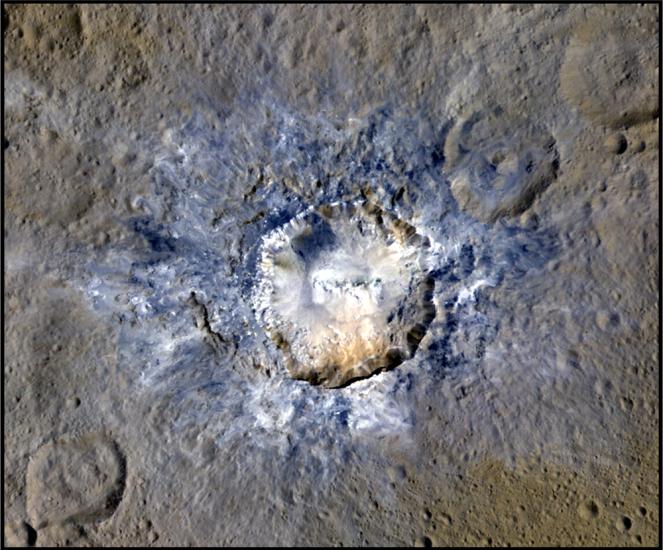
[{"x": 149, "y": 153}]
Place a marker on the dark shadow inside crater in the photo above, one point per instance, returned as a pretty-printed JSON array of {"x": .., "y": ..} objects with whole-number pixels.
[{"x": 318, "y": 238}]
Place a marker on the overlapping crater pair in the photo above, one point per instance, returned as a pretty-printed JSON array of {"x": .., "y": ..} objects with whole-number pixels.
[{"x": 344, "y": 293}]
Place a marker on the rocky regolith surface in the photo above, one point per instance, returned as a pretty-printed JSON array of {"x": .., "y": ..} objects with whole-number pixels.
[{"x": 148, "y": 151}]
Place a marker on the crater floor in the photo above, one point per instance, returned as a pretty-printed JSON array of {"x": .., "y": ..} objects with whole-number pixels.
[{"x": 344, "y": 292}]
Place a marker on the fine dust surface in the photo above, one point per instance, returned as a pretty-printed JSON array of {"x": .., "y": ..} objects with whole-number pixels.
[{"x": 149, "y": 153}]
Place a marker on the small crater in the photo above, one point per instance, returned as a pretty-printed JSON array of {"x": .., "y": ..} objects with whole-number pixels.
[
  {"x": 498, "y": 165},
  {"x": 397, "y": 473},
  {"x": 616, "y": 144},
  {"x": 624, "y": 524},
  {"x": 79, "y": 480},
  {"x": 424, "y": 542},
  {"x": 73, "y": 402},
  {"x": 588, "y": 510}
]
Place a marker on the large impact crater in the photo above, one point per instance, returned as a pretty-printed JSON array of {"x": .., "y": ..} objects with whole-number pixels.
[{"x": 343, "y": 292}]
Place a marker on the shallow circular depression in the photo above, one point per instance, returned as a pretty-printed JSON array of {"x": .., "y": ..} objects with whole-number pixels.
[
  {"x": 498, "y": 165},
  {"x": 343, "y": 292}
]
